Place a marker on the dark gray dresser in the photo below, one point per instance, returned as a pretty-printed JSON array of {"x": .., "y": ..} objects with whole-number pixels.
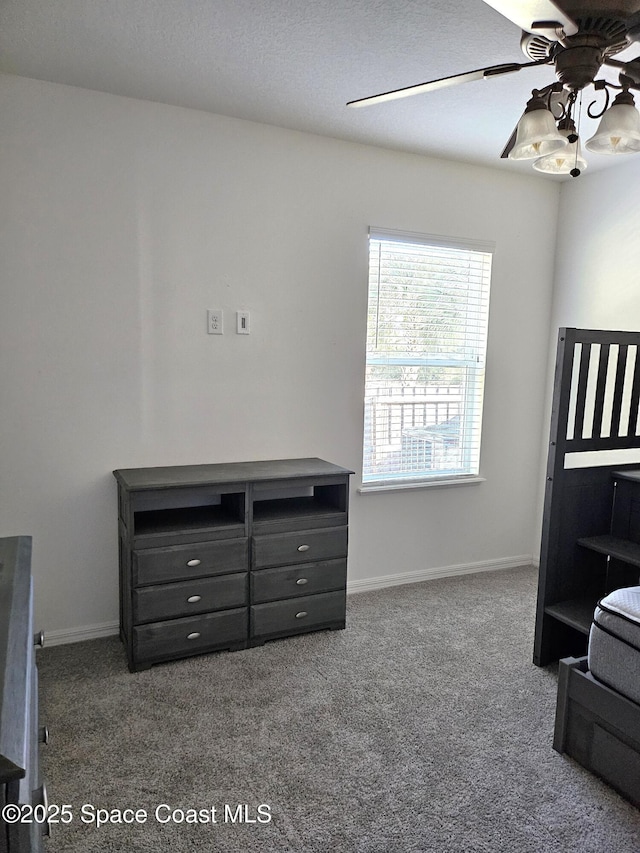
[
  {"x": 229, "y": 555},
  {"x": 20, "y": 781}
]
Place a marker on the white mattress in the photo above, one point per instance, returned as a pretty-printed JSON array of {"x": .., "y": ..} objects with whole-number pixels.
[{"x": 614, "y": 642}]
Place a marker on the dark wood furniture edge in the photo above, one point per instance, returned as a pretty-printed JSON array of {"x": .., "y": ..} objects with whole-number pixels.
[
  {"x": 15, "y": 593},
  {"x": 223, "y": 473},
  {"x": 598, "y": 727},
  {"x": 553, "y": 489}
]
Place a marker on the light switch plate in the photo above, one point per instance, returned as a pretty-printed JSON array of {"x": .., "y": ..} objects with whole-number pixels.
[{"x": 243, "y": 323}]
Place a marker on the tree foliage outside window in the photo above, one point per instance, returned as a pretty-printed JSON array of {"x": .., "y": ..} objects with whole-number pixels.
[{"x": 426, "y": 346}]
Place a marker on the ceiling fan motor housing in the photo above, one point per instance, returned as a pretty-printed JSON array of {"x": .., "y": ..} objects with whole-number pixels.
[
  {"x": 577, "y": 66},
  {"x": 578, "y": 58}
]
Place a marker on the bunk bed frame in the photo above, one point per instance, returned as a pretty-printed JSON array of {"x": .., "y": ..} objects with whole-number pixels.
[
  {"x": 595, "y": 410},
  {"x": 591, "y": 543}
]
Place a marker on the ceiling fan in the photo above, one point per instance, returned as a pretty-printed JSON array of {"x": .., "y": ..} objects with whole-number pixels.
[{"x": 578, "y": 38}]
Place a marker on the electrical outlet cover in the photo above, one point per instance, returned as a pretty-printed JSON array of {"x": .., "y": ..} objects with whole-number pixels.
[{"x": 214, "y": 321}]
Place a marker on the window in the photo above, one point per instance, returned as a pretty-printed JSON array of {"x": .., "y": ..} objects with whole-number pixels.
[{"x": 426, "y": 345}]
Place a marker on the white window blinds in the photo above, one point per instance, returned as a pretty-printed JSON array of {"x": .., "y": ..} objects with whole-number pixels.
[{"x": 426, "y": 345}]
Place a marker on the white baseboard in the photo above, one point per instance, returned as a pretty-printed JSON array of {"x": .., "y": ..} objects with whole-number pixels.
[
  {"x": 77, "y": 635},
  {"x": 110, "y": 629},
  {"x": 444, "y": 572}
]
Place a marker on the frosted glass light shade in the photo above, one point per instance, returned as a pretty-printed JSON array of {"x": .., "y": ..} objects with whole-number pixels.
[
  {"x": 536, "y": 136},
  {"x": 618, "y": 131},
  {"x": 563, "y": 161}
]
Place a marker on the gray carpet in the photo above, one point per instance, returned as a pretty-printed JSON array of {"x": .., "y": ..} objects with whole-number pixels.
[{"x": 422, "y": 727}]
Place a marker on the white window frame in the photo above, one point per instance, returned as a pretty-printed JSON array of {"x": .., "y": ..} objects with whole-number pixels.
[{"x": 473, "y": 357}]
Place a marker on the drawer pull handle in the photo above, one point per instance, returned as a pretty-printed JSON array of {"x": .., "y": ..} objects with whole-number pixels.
[
  {"x": 301, "y": 615},
  {"x": 302, "y": 581},
  {"x": 44, "y": 802},
  {"x": 193, "y": 599},
  {"x": 303, "y": 547},
  {"x": 193, "y": 636},
  {"x": 43, "y": 734},
  {"x": 38, "y": 639},
  {"x": 193, "y": 562}
]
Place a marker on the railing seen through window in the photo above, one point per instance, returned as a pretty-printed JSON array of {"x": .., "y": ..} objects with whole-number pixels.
[{"x": 426, "y": 347}]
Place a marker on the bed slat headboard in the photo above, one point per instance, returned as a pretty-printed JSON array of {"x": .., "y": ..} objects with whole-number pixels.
[{"x": 601, "y": 373}]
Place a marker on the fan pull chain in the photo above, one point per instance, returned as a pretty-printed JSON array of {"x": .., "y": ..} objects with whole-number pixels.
[{"x": 575, "y": 172}]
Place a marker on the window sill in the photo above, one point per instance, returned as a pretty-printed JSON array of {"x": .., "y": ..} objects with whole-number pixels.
[{"x": 368, "y": 488}]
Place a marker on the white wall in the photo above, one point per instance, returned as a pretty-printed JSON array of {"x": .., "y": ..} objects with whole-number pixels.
[
  {"x": 597, "y": 282},
  {"x": 123, "y": 221}
]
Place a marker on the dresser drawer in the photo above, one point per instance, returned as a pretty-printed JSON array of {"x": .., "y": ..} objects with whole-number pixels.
[
  {"x": 156, "y": 565},
  {"x": 283, "y": 549},
  {"x": 166, "y": 601},
  {"x": 178, "y": 637},
  {"x": 290, "y": 581},
  {"x": 298, "y": 614}
]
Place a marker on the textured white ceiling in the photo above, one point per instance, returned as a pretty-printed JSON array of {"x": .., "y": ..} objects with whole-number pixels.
[{"x": 291, "y": 63}]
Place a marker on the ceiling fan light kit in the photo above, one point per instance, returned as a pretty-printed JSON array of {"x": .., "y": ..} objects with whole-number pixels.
[
  {"x": 537, "y": 134},
  {"x": 578, "y": 38},
  {"x": 565, "y": 160},
  {"x": 619, "y": 128}
]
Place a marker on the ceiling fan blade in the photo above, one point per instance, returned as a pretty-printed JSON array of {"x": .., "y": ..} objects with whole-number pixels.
[
  {"x": 542, "y": 17},
  {"x": 633, "y": 32},
  {"x": 512, "y": 141},
  {"x": 432, "y": 85},
  {"x": 630, "y": 69}
]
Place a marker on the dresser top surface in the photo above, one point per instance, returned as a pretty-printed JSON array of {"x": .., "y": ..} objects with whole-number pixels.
[{"x": 166, "y": 477}]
